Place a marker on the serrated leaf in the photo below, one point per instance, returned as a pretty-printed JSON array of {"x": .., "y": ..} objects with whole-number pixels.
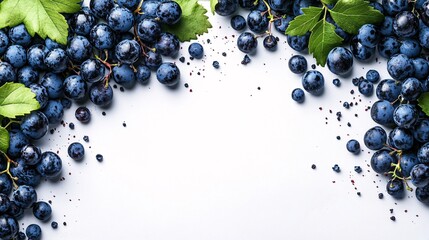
[
  {"x": 39, "y": 16},
  {"x": 322, "y": 39},
  {"x": 213, "y": 5},
  {"x": 194, "y": 22},
  {"x": 424, "y": 102},
  {"x": 305, "y": 22},
  {"x": 16, "y": 100},
  {"x": 4, "y": 139},
  {"x": 350, "y": 15}
]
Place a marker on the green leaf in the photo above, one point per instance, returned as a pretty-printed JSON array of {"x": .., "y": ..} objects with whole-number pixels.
[
  {"x": 213, "y": 5},
  {"x": 16, "y": 100},
  {"x": 350, "y": 15},
  {"x": 39, "y": 16},
  {"x": 305, "y": 22},
  {"x": 322, "y": 39},
  {"x": 424, "y": 102},
  {"x": 194, "y": 22},
  {"x": 4, "y": 139}
]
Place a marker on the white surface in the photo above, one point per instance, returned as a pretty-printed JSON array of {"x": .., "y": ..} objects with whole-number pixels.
[{"x": 225, "y": 161}]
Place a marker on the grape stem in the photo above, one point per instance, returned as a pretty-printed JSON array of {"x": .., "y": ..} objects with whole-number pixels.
[
  {"x": 139, "y": 8},
  {"x": 11, "y": 121},
  {"x": 109, "y": 66},
  {"x": 397, "y": 171},
  {"x": 7, "y": 170},
  {"x": 142, "y": 45}
]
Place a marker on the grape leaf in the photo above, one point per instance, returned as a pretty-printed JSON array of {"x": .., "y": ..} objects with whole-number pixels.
[
  {"x": 39, "y": 16},
  {"x": 213, "y": 5},
  {"x": 305, "y": 22},
  {"x": 4, "y": 139},
  {"x": 194, "y": 22},
  {"x": 424, "y": 102},
  {"x": 350, "y": 15},
  {"x": 16, "y": 100},
  {"x": 322, "y": 39}
]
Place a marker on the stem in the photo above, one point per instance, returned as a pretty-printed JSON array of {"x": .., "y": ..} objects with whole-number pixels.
[
  {"x": 109, "y": 66},
  {"x": 142, "y": 45},
  {"x": 139, "y": 7},
  {"x": 11, "y": 121},
  {"x": 7, "y": 170}
]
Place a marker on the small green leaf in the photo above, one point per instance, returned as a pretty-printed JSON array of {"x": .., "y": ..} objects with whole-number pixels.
[
  {"x": 194, "y": 22},
  {"x": 16, "y": 100},
  {"x": 424, "y": 102},
  {"x": 350, "y": 15},
  {"x": 305, "y": 22},
  {"x": 39, "y": 16},
  {"x": 213, "y": 5},
  {"x": 4, "y": 139},
  {"x": 322, "y": 39}
]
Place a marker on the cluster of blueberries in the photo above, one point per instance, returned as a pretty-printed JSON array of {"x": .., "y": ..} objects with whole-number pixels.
[
  {"x": 401, "y": 138},
  {"x": 121, "y": 40}
]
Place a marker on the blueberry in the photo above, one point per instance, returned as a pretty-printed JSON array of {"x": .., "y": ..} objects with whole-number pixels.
[
  {"x": 421, "y": 131},
  {"x": 340, "y": 61},
  {"x": 411, "y": 89},
  {"x": 400, "y": 67},
  {"x": 298, "y": 95},
  {"x": 381, "y": 161},
  {"x": 31, "y": 154},
  {"x": 17, "y": 140},
  {"x": 238, "y": 22},
  {"x": 372, "y": 76},
  {"x": 297, "y": 64},
  {"x": 33, "y": 232},
  {"x": 389, "y": 46},
  {"x": 247, "y": 42},
  {"x": 196, "y": 50},
  {"x": 405, "y": 24},
  {"x": 382, "y": 113},
  {"x": 368, "y": 35},
  {"x": 395, "y": 188},
  {"x": 25, "y": 174},
  {"x": 24, "y": 196},
  {"x": 257, "y": 21},
  {"x": 313, "y": 82},
  {"x": 42, "y": 210},
  {"x": 388, "y": 90},
  {"x": 366, "y": 87},
  {"x": 386, "y": 28},
  {"x": 298, "y": 43},
  {"x": 410, "y": 47},
  {"x": 353, "y": 146},
  {"x": 8, "y": 227},
  {"x": 54, "y": 111},
  {"x": 375, "y": 138},
  {"x": 420, "y": 175},
  {"x": 100, "y": 94},
  {"x": 421, "y": 68},
  {"x": 401, "y": 138},
  {"x": 361, "y": 52},
  {"x": 83, "y": 114},
  {"x": 76, "y": 151},
  {"x": 168, "y": 74},
  {"x": 407, "y": 162},
  {"x": 392, "y": 7},
  {"x": 50, "y": 165},
  {"x": 35, "y": 125}
]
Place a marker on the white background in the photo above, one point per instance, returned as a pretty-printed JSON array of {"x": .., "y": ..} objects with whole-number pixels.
[{"x": 225, "y": 161}]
